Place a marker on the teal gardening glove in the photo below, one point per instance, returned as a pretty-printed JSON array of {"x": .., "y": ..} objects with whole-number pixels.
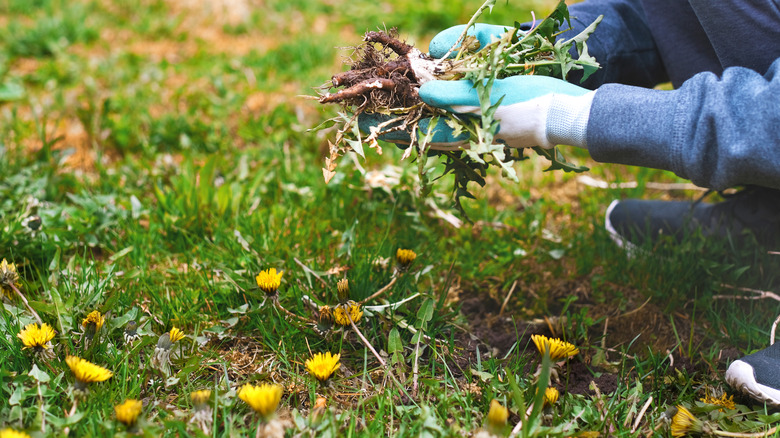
[{"x": 535, "y": 110}]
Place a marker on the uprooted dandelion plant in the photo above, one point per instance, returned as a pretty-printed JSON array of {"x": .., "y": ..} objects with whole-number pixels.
[{"x": 386, "y": 73}]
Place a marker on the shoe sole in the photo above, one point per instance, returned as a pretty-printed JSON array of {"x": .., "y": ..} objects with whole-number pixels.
[
  {"x": 741, "y": 377},
  {"x": 616, "y": 237}
]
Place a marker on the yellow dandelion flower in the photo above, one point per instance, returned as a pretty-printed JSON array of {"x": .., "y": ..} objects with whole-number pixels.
[
  {"x": 343, "y": 289},
  {"x": 723, "y": 401},
  {"x": 684, "y": 423},
  {"x": 350, "y": 308},
  {"x": 200, "y": 397},
  {"x": 263, "y": 399},
  {"x": 10, "y": 433},
  {"x": 175, "y": 335},
  {"x": 93, "y": 322},
  {"x": 269, "y": 281},
  {"x": 405, "y": 257},
  {"x": 550, "y": 396},
  {"x": 37, "y": 337},
  {"x": 497, "y": 416},
  {"x": 86, "y": 372},
  {"x": 127, "y": 413},
  {"x": 558, "y": 349},
  {"x": 322, "y": 366},
  {"x": 8, "y": 278}
]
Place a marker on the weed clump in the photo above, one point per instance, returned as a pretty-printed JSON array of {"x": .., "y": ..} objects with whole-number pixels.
[{"x": 386, "y": 73}]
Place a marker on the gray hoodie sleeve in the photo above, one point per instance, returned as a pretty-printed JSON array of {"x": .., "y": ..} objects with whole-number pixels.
[
  {"x": 622, "y": 43},
  {"x": 715, "y": 131}
]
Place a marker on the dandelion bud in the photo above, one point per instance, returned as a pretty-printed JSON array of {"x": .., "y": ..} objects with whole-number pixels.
[
  {"x": 343, "y": 290},
  {"x": 92, "y": 324},
  {"x": 550, "y": 396},
  {"x": 325, "y": 315},
  {"x": 8, "y": 278},
  {"x": 404, "y": 257},
  {"x": 131, "y": 333}
]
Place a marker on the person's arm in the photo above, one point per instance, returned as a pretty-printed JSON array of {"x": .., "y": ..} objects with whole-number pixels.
[
  {"x": 622, "y": 44},
  {"x": 716, "y": 131}
]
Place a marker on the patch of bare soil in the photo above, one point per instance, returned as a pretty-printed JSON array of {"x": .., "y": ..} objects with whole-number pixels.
[{"x": 641, "y": 326}]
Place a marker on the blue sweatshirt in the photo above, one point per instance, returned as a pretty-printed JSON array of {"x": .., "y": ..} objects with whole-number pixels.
[{"x": 720, "y": 127}]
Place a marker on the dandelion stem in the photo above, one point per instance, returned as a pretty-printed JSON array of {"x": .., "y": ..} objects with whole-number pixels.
[
  {"x": 379, "y": 358},
  {"x": 41, "y": 406},
  {"x": 746, "y": 435},
  {"x": 416, "y": 366},
  {"x": 384, "y": 289},
  {"x": 365, "y": 341},
  {"x": 26, "y": 303},
  {"x": 279, "y": 306}
]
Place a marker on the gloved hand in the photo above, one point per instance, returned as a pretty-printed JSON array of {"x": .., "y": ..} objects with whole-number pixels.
[{"x": 535, "y": 110}]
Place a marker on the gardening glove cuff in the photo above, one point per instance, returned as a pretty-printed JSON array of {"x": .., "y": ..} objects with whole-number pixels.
[{"x": 567, "y": 119}]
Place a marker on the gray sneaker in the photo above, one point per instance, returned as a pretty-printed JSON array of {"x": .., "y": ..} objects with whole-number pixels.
[
  {"x": 633, "y": 223},
  {"x": 758, "y": 375}
]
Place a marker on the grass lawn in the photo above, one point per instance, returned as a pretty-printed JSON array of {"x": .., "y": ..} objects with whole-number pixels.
[{"x": 157, "y": 163}]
